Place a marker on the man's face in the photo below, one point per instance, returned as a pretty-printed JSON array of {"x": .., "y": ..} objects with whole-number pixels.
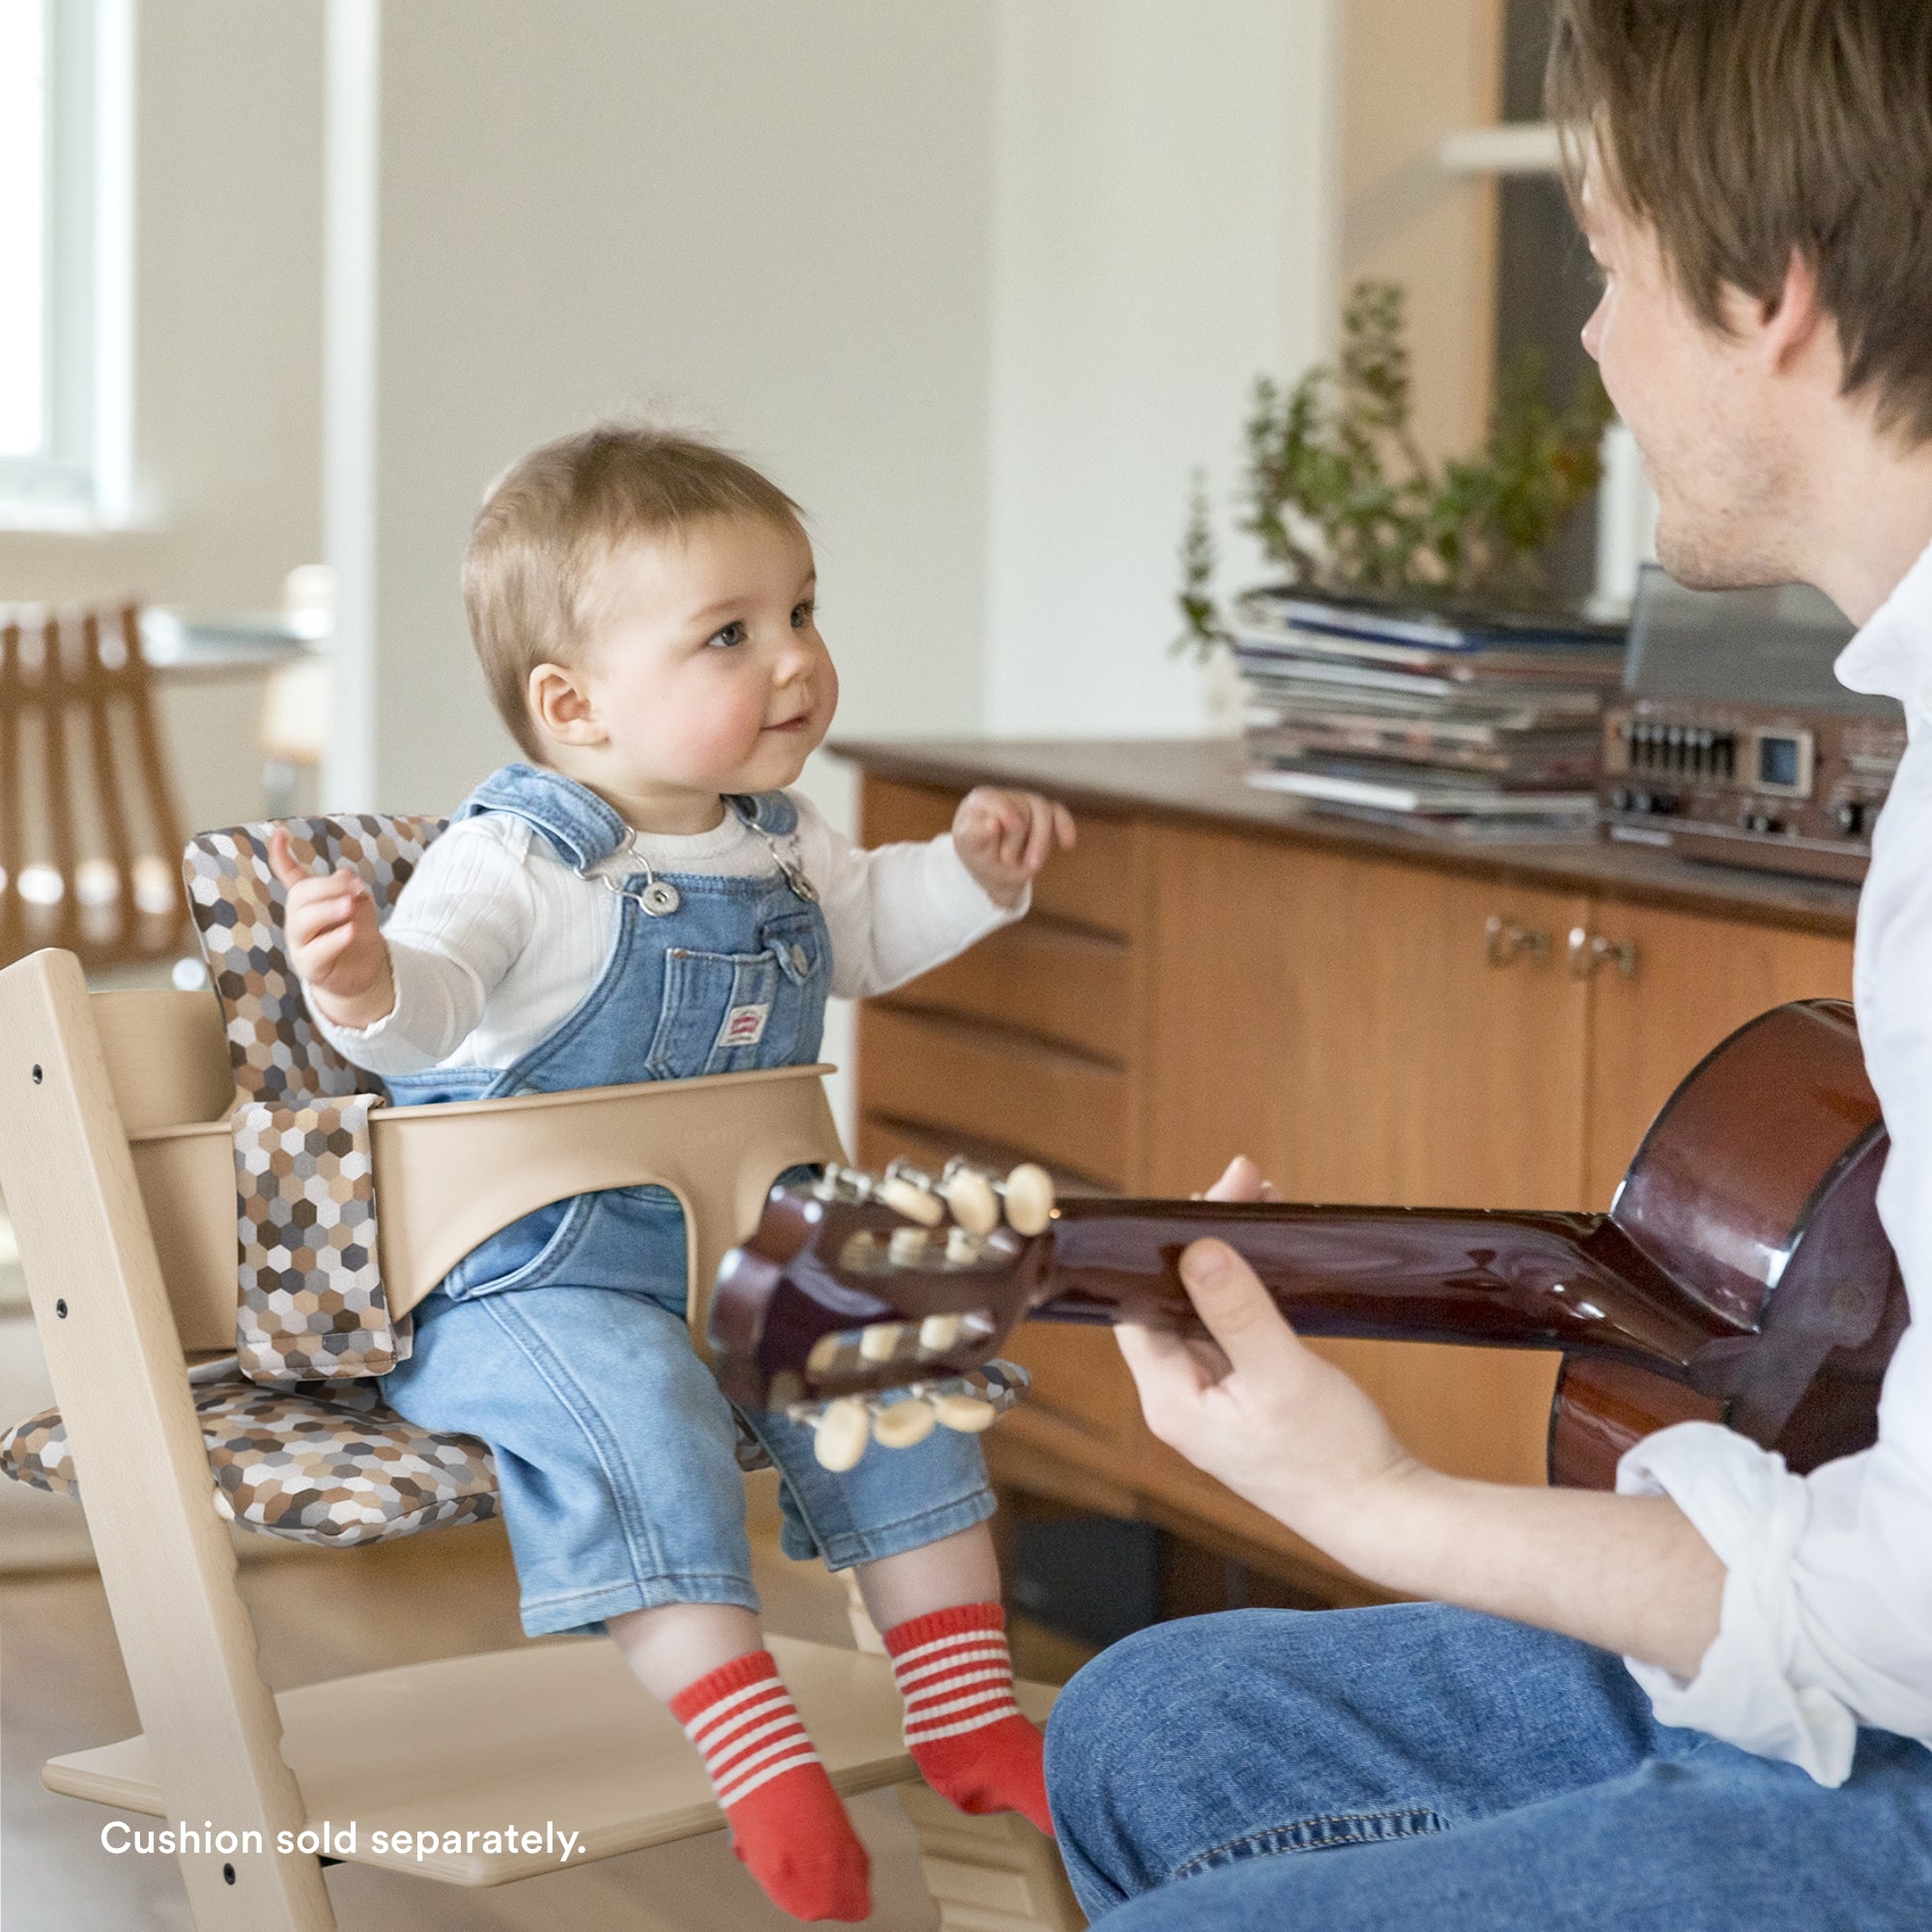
[{"x": 1700, "y": 407}]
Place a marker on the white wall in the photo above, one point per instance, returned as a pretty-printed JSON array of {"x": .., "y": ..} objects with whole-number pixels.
[
  {"x": 771, "y": 220},
  {"x": 1164, "y": 230},
  {"x": 228, "y": 311},
  {"x": 978, "y": 281}
]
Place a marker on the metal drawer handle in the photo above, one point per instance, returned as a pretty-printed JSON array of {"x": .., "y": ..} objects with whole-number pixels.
[
  {"x": 1589, "y": 951},
  {"x": 1507, "y": 942}
]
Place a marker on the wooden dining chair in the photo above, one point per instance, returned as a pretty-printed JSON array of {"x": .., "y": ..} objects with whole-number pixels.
[
  {"x": 89, "y": 828},
  {"x": 117, "y": 1161}
]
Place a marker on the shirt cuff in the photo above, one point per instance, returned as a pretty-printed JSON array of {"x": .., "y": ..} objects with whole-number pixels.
[
  {"x": 1751, "y": 1510},
  {"x": 386, "y": 1045}
]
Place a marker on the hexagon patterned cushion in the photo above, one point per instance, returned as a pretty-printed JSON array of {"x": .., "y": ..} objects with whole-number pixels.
[{"x": 334, "y": 1469}]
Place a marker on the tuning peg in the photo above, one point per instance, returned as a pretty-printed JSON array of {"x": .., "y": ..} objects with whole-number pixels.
[
  {"x": 840, "y": 1439},
  {"x": 938, "y": 1334},
  {"x": 898, "y": 1424},
  {"x": 906, "y": 1196},
  {"x": 879, "y": 1341},
  {"x": 907, "y": 1247},
  {"x": 962, "y": 1249},
  {"x": 966, "y": 1413},
  {"x": 1029, "y": 1192},
  {"x": 970, "y": 1195}
]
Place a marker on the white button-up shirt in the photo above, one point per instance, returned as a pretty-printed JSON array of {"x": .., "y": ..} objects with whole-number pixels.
[{"x": 1826, "y": 1620}]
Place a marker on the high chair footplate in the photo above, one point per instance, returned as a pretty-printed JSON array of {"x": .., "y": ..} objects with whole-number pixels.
[{"x": 529, "y": 1745}]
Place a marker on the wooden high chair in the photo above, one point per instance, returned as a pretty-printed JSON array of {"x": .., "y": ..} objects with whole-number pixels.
[{"x": 116, "y": 1163}]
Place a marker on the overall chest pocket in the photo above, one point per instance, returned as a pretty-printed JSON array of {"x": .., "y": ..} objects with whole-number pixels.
[{"x": 731, "y": 1013}]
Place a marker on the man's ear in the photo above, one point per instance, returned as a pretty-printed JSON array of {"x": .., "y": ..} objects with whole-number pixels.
[
  {"x": 562, "y": 708},
  {"x": 1790, "y": 327}
]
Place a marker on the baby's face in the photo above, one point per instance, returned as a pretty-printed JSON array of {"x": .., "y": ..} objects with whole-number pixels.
[{"x": 704, "y": 666}]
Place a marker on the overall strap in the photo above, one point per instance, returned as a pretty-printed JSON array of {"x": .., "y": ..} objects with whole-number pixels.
[
  {"x": 583, "y": 830},
  {"x": 769, "y": 811}
]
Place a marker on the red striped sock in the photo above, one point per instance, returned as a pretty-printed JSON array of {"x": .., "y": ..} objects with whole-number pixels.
[
  {"x": 970, "y": 1739},
  {"x": 787, "y": 1825}
]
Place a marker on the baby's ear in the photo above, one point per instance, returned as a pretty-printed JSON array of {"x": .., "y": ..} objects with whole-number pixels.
[{"x": 560, "y": 706}]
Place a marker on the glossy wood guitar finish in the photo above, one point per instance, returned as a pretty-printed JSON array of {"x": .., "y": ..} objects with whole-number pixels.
[{"x": 1741, "y": 1274}]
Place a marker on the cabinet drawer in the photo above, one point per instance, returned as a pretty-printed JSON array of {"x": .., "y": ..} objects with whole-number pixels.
[
  {"x": 1098, "y": 885},
  {"x": 1061, "y": 1108},
  {"x": 1056, "y": 983}
]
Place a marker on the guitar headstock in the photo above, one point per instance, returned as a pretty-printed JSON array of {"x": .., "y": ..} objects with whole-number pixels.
[{"x": 855, "y": 1285}]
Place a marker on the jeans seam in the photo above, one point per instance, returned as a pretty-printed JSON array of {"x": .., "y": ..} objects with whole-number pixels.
[{"x": 1412, "y": 1822}]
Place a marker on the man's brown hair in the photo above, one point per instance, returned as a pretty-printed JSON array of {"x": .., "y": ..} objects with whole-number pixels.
[
  {"x": 552, "y": 518},
  {"x": 1745, "y": 130}
]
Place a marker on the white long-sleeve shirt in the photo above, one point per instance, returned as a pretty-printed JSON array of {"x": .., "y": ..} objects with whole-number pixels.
[
  {"x": 494, "y": 941},
  {"x": 1827, "y": 1619}
]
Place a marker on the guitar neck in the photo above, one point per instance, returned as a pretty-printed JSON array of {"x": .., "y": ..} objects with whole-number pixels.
[{"x": 1570, "y": 1282}]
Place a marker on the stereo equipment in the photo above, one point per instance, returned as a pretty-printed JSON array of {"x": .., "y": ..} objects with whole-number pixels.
[{"x": 1732, "y": 740}]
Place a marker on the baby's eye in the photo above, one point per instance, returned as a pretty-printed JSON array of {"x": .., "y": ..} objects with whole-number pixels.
[
  {"x": 732, "y": 634},
  {"x": 801, "y": 616}
]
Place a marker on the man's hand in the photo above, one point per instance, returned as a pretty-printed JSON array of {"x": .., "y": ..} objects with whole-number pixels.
[
  {"x": 334, "y": 943},
  {"x": 1254, "y": 1406},
  {"x": 1006, "y": 837},
  {"x": 1291, "y": 1434}
]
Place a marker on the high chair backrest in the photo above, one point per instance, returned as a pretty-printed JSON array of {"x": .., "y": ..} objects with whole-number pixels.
[{"x": 238, "y": 905}]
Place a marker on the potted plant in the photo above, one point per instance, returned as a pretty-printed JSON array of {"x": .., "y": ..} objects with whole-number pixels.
[{"x": 1342, "y": 499}]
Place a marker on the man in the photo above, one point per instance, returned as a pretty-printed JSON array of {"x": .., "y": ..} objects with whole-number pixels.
[{"x": 1703, "y": 1702}]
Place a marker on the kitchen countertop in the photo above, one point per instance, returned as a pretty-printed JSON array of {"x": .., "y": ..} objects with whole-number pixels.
[{"x": 1198, "y": 782}]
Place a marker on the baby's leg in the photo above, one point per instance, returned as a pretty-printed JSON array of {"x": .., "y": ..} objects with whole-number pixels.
[
  {"x": 624, "y": 1503},
  {"x": 709, "y": 1663},
  {"x": 939, "y": 1610}
]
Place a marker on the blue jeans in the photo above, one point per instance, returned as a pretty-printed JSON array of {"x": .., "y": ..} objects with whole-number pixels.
[
  {"x": 616, "y": 1456},
  {"x": 1470, "y": 1772}
]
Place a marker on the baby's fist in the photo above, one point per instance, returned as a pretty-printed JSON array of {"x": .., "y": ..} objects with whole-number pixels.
[
  {"x": 1004, "y": 838},
  {"x": 335, "y": 945}
]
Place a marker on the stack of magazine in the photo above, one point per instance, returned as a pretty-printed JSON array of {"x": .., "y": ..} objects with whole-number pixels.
[{"x": 1459, "y": 724}]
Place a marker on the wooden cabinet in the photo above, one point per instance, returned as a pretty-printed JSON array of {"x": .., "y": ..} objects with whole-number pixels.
[{"x": 1368, "y": 1026}]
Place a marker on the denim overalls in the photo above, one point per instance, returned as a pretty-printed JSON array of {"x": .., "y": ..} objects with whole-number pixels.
[{"x": 562, "y": 1341}]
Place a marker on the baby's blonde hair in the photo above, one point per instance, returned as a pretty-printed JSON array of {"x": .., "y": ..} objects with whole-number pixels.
[{"x": 553, "y": 518}]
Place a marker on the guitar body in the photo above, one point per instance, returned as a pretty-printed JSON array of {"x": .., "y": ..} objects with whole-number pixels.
[
  {"x": 1755, "y": 1191},
  {"x": 1740, "y": 1275}
]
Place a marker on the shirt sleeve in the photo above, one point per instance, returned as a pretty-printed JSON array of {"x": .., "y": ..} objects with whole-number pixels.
[
  {"x": 894, "y": 911},
  {"x": 1827, "y": 1615},
  {"x": 460, "y": 924}
]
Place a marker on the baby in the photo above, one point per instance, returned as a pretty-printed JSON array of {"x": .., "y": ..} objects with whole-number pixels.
[{"x": 643, "y": 899}]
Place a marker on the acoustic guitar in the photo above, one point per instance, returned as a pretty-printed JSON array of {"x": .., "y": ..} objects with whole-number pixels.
[{"x": 1740, "y": 1275}]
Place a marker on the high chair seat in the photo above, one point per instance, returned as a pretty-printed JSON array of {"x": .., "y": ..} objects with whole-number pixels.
[
  {"x": 555, "y": 1732},
  {"x": 334, "y": 1467}
]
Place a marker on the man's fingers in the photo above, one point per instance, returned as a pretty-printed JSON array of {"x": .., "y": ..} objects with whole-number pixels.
[
  {"x": 1238, "y": 1313},
  {"x": 1159, "y": 1360},
  {"x": 1063, "y": 828},
  {"x": 1242, "y": 1180}
]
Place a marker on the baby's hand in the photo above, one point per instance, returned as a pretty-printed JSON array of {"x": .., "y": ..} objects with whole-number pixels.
[
  {"x": 1004, "y": 837},
  {"x": 334, "y": 945}
]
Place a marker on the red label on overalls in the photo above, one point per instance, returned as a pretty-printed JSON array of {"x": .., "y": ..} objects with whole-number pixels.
[{"x": 745, "y": 1026}]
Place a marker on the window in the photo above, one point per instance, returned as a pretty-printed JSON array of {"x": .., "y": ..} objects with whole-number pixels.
[{"x": 66, "y": 140}]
